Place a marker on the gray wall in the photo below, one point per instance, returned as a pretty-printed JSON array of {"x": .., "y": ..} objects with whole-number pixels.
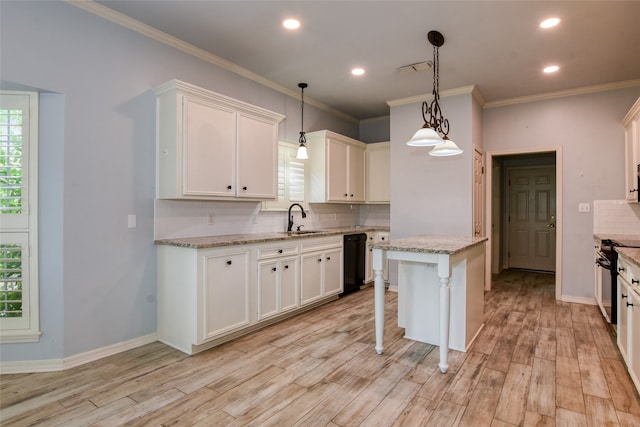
[
  {"x": 588, "y": 129},
  {"x": 432, "y": 195},
  {"x": 97, "y": 165}
]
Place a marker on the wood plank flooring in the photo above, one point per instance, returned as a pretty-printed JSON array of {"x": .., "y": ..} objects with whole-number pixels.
[{"x": 537, "y": 362}]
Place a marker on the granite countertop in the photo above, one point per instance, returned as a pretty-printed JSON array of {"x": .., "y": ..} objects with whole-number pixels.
[
  {"x": 431, "y": 244},
  {"x": 251, "y": 238},
  {"x": 632, "y": 254}
]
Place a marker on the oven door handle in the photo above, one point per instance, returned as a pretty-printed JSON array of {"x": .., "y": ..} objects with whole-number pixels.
[{"x": 604, "y": 263}]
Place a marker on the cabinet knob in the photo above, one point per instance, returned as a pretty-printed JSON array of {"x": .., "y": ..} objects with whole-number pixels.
[
  {"x": 228, "y": 262},
  {"x": 279, "y": 251},
  {"x": 352, "y": 195},
  {"x": 228, "y": 187},
  {"x": 634, "y": 281},
  {"x": 244, "y": 188},
  {"x": 286, "y": 267},
  {"x": 346, "y": 195},
  {"x": 328, "y": 258},
  {"x": 273, "y": 269},
  {"x": 319, "y": 259}
]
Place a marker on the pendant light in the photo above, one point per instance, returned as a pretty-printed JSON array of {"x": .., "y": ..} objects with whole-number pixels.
[
  {"x": 435, "y": 131},
  {"x": 302, "y": 148}
]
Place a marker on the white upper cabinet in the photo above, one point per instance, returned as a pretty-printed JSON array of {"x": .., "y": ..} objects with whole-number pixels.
[
  {"x": 213, "y": 147},
  {"x": 378, "y": 176},
  {"x": 336, "y": 168},
  {"x": 631, "y": 123}
]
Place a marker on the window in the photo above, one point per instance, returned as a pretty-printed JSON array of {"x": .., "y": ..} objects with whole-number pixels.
[
  {"x": 291, "y": 178},
  {"x": 19, "y": 305}
]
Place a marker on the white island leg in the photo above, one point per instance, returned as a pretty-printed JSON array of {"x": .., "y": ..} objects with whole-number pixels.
[
  {"x": 378, "y": 256},
  {"x": 444, "y": 272}
]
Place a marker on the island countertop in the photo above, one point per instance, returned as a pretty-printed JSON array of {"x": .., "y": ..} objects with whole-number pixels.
[{"x": 431, "y": 244}]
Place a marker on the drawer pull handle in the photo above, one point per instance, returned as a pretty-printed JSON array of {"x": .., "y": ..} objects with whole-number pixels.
[
  {"x": 623, "y": 296},
  {"x": 634, "y": 281},
  {"x": 620, "y": 269},
  {"x": 629, "y": 304},
  {"x": 228, "y": 262}
]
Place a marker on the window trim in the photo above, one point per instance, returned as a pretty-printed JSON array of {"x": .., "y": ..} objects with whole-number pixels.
[
  {"x": 31, "y": 332},
  {"x": 287, "y": 149}
]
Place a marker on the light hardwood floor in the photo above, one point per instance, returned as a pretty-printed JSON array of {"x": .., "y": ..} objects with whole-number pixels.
[{"x": 537, "y": 362}]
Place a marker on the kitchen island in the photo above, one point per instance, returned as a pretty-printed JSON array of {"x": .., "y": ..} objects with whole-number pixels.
[{"x": 440, "y": 290}]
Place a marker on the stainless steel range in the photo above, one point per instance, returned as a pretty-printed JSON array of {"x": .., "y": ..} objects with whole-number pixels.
[{"x": 606, "y": 279}]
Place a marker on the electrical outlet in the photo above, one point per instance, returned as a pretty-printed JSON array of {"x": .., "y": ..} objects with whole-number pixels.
[
  {"x": 212, "y": 218},
  {"x": 584, "y": 207}
]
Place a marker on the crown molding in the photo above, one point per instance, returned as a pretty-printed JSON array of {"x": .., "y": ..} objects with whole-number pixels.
[
  {"x": 153, "y": 33},
  {"x": 563, "y": 93},
  {"x": 427, "y": 97}
]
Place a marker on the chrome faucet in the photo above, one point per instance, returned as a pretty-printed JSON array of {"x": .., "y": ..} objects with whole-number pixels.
[{"x": 304, "y": 215}]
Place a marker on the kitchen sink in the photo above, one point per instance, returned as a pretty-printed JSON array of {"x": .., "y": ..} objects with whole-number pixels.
[{"x": 303, "y": 232}]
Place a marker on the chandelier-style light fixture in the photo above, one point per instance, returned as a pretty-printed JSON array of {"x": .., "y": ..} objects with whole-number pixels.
[
  {"x": 302, "y": 148},
  {"x": 435, "y": 131}
]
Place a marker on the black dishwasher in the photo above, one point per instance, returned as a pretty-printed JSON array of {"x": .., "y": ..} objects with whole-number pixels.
[{"x": 355, "y": 248}]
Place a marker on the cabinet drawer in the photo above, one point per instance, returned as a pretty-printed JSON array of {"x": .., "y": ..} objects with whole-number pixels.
[
  {"x": 629, "y": 272},
  {"x": 320, "y": 243},
  {"x": 273, "y": 251}
]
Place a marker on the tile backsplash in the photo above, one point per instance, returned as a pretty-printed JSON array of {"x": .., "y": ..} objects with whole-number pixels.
[
  {"x": 616, "y": 217},
  {"x": 175, "y": 219}
]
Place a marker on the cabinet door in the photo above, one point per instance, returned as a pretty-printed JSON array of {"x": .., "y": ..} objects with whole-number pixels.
[
  {"x": 257, "y": 157},
  {"x": 369, "y": 258},
  {"x": 226, "y": 293},
  {"x": 289, "y": 296},
  {"x": 268, "y": 289},
  {"x": 337, "y": 164},
  {"x": 623, "y": 318},
  {"x": 356, "y": 187},
  {"x": 332, "y": 266},
  {"x": 633, "y": 346},
  {"x": 208, "y": 151},
  {"x": 311, "y": 277},
  {"x": 378, "y": 173}
]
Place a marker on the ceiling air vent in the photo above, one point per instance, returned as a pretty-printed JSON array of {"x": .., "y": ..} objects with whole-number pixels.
[{"x": 418, "y": 66}]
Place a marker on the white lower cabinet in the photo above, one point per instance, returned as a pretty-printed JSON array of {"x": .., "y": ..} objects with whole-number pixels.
[
  {"x": 211, "y": 295},
  {"x": 225, "y": 292},
  {"x": 628, "y": 327},
  {"x": 278, "y": 279},
  {"x": 321, "y": 269}
]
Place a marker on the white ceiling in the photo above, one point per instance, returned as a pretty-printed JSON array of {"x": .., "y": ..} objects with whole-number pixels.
[{"x": 496, "y": 45}]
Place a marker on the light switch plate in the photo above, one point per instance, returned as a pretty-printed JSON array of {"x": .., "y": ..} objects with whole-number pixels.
[{"x": 584, "y": 207}]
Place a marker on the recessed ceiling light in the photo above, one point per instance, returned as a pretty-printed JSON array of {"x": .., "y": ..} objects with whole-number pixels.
[
  {"x": 550, "y": 22},
  {"x": 291, "y": 24},
  {"x": 357, "y": 71},
  {"x": 551, "y": 69}
]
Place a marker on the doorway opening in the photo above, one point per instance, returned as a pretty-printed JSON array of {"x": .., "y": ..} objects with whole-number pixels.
[{"x": 524, "y": 190}]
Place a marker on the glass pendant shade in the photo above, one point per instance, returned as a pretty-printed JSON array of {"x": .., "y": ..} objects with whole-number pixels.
[
  {"x": 425, "y": 137},
  {"x": 302, "y": 153},
  {"x": 447, "y": 148}
]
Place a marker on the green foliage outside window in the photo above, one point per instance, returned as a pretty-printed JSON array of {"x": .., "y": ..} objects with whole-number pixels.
[
  {"x": 10, "y": 161},
  {"x": 10, "y": 281}
]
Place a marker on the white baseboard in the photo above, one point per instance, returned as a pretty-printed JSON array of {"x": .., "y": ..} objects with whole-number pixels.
[{"x": 31, "y": 366}]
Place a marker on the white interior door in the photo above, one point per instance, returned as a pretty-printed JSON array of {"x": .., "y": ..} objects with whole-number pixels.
[{"x": 531, "y": 218}]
